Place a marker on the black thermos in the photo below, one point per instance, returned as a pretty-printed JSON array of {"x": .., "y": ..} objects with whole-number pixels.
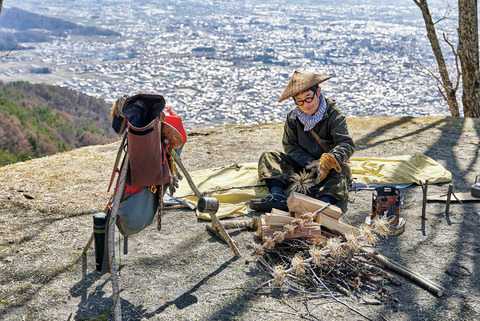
[{"x": 99, "y": 227}]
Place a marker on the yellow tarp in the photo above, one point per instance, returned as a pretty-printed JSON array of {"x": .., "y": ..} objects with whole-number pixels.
[
  {"x": 405, "y": 169},
  {"x": 394, "y": 170},
  {"x": 233, "y": 201}
]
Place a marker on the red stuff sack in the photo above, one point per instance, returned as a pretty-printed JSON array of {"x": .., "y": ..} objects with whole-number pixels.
[{"x": 175, "y": 121}]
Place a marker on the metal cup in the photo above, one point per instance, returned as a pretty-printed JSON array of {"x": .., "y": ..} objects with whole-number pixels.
[{"x": 208, "y": 205}]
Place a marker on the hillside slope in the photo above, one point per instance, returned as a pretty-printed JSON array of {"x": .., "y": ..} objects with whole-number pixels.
[
  {"x": 38, "y": 120},
  {"x": 185, "y": 273},
  {"x": 28, "y": 27}
]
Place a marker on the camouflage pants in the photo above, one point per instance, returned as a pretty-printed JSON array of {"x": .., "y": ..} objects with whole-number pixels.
[{"x": 277, "y": 165}]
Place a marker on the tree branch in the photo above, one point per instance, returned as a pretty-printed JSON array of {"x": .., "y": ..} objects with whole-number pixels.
[
  {"x": 450, "y": 92},
  {"x": 9, "y": 53},
  {"x": 427, "y": 71},
  {"x": 459, "y": 73}
]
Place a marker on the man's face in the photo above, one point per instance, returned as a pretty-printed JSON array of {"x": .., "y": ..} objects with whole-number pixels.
[{"x": 307, "y": 101}]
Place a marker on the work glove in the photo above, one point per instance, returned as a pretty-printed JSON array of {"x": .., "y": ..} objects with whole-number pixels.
[
  {"x": 323, "y": 165},
  {"x": 172, "y": 187}
]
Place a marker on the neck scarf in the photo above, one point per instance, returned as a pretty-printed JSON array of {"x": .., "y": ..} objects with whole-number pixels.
[{"x": 309, "y": 121}]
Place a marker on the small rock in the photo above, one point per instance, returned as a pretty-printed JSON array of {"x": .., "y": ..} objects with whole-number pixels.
[
  {"x": 30, "y": 197},
  {"x": 458, "y": 270}
]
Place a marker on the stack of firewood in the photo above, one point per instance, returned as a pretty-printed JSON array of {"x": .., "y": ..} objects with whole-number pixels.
[
  {"x": 308, "y": 218},
  {"x": 309, "y": 246}
]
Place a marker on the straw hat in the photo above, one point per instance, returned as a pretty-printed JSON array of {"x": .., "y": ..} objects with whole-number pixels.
[
  {"x": 172, "y": 134},
  {"x": 300, "y": 81}
]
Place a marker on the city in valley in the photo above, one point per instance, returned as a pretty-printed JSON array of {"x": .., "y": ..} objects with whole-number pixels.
[{"x": 226, "y": 62}]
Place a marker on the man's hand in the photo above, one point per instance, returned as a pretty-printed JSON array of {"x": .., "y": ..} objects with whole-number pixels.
[
  {"x": 323, "y": 166},
  {"x": 313, "y": 166}
]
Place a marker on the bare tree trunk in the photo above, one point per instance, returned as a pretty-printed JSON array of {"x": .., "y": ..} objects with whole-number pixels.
[
  {"x": 469, "y": 56},
  {"x": 1, "y": 5},
  {"x": 450, "y": 91}
]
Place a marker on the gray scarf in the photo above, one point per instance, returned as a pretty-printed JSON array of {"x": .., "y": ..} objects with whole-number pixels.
[{"x": 309, "y": 121}]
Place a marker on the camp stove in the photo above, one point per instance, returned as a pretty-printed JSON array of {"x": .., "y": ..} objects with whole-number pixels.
[
  {"x": 386, "y": 203},
  {"x": 475, "y": 190}
]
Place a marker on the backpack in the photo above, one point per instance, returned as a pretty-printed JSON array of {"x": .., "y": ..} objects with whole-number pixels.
[{"x": 137, "y": 209}]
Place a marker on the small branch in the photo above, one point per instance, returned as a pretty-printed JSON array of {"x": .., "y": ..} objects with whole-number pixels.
[
  {"x": 439, "y": 20},
  {"x": 428, "y": 71},
  {"x": 339, "y": 301},
  {"x": 459, "y": 73},
  {"x": 10, "y": 51}
]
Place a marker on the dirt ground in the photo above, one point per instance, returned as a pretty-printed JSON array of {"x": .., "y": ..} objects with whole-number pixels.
[{"x": 185, "y": 273}]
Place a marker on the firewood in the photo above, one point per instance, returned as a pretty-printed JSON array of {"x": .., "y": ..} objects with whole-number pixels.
[
  {"x": 335, "y": 225},
  {"x": 273, "y": 220},
  {"x": 261, "y": 226},
  {"x": 300, "y": 203},
  {"x": 255, "y": 222},
  {"x": 237, "y": 224},
  {"x": 307, "y": 231},
  {"x": 427, "y": 284},
  {"x": 279, "y": 212}
]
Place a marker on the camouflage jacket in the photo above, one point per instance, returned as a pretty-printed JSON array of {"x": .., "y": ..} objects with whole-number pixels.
[{"x": 302, "y": 147}]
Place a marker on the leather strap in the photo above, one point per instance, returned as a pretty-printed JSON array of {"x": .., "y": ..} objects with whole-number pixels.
[
  {"x": 325, "y": 144},
  {"x": 160, "y": 207}
]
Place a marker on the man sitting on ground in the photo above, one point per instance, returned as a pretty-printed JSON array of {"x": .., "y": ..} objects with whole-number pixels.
[{"x": 316, "y": 138}]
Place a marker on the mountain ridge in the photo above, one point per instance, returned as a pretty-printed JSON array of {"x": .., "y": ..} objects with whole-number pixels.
[{"x": 29, "y": 27}]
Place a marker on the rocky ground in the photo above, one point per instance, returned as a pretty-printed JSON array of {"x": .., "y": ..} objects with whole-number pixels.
[{"x": 185, "y": 273}]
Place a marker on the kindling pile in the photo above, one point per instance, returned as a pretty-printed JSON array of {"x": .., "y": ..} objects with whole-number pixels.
[{"x": 309, "y": 250}]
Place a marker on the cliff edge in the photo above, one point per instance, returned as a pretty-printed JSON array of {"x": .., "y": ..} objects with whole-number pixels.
[{"x": 185, "y": 273}]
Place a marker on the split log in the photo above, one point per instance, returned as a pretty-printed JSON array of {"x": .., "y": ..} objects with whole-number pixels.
[
  {"x": 261, "y": 225},
  {"x": 335, "y": 225},
  {"x": 415, "y": 277},
  {"x": 255, "y": 222},
  {"x": 279, "y": 221},
  {"x": 279, "y": 212},
  {"x": 307, "y": 231},
  {"x": 300, "y": 203},
  {"x": 312, "y": 230}
]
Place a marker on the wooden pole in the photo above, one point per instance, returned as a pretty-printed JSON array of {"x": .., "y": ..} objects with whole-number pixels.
[
  {"x": 178, "y": 160},
  {"x": 424, "y": 203},
  {"x": 117, "y": 160},
  {"x": 111, "y": 240},
  {"x": 417, "y": 278},
  {"x": 237, "y": 224},
  {"x": 449, "y": 196},
  {"x": 216, "y": 224},
  {"x": 89, "y": 243}
]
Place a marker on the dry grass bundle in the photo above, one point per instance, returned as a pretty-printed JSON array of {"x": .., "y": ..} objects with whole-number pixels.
[{"x": 302, "y": 182}]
